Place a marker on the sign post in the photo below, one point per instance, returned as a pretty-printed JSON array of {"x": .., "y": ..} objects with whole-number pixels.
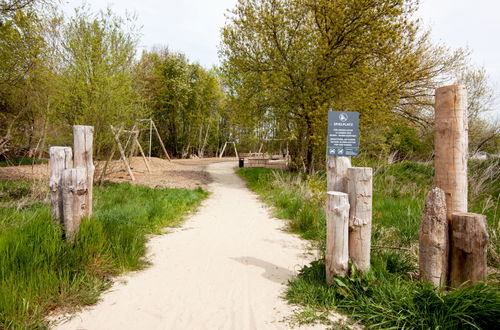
[{"x": 343, "y": 133}]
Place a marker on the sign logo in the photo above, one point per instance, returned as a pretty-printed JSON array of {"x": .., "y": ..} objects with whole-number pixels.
[{"x": 343, "y": 117}]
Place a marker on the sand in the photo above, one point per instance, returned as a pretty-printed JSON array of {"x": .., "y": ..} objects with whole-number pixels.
[{"x": 226, "y": 268}]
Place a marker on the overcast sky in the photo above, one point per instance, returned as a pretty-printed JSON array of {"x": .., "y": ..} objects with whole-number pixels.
[{"x": 193, "y": 26}]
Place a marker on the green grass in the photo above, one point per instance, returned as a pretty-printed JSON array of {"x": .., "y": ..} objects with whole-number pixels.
[
  {"x": 40, "y": 272},
  {"x": 22, "y": 161},
  {"x": 389, "y": 296}
]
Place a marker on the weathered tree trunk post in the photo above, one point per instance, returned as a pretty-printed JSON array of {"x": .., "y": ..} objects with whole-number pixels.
[
  {"x": 61, "y": 158},
  {"x": 433, "y": 241},
  {"x": 451, "y": 146},
  {"x": 337, "y": 232},
  {"x": 83, "y": 144},
  {"x": 360, "y": 215},
  {"x": 336, "y": 175},
  {"x": 469, "y": 241},
  {"x": 75, "y": 195}
]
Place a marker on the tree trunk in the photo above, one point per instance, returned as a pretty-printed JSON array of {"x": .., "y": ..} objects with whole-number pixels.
[
  {"x": 434, "y": 240},
  {"x": 360, "y": 216},
  {"x": 75, "y": 195},
  {"x": 451, "y": 144},
  {"x": 469, "y": 241},
  {"x": 336, "y": 175},
  {"x": 337, "y": 232},
  {"x": 61, "y": 158},
  {"x": 83, "y": 137}
]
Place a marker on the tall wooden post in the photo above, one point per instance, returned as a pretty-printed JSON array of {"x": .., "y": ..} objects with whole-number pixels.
[
  {"x": 61, "y": 158},
  {"x": 451, "y": 146},
  {"x": 434, "y": 240},
  {"x": 360, "y": 215},
  {"x": 336, "y": 175},
  {"x": 83, "y": 144},
  {"x": 337, "y": 232},
  {"x": 75, "y": 195},
  {"x": 469, "y": 241}
]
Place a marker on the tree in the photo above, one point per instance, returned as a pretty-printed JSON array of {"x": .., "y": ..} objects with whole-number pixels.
[
  {"x": 185, "y": 99},
  {"x": 96, "y": 74},
  {"x": 296, "y": 59}
]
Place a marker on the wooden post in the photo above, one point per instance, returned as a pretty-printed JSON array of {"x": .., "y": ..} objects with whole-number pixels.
[
  {"x": 161, "y": 141},
  {"x": 360, "y": 215},
  {"x": 336, "y": 175},
  {"x": 451, "y": 146},
  {"x": 82, "y": 146},
  {"x": 75, "y": 195},
  {"x": 469, "y": 241},
  {"x": 434, "y": 240},
  {"x": 337, "y": 232},
  {"x": 223, "y": 148},
  {"x": 136, "y": 143},
  {"x": 61, "y": 158},
  {"x": 116, "y": 135},
  {"x": 235, "y": 150}
]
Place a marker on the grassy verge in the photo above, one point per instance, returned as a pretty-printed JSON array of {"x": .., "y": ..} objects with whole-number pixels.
[
  {"x": 40, "y": 272},
  {"x": 389, "y": 296},
  {"x": 22, "y": 161}
]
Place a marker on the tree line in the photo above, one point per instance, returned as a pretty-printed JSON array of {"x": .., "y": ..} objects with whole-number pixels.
[{"x": 284, "y": 63}]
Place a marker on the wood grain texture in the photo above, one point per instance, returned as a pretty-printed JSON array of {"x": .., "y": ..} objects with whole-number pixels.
[{"x": 337, "y": 233}]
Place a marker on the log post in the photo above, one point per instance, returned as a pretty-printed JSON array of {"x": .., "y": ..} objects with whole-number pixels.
[
  {"x": 82, "y": 146},
  {"x": 434, "y": 240},
  {"x": 360, "y": 215},
  {"x": 75, "y": 195},
  {"x": 469, "y": 241},
  {"x": 337, "y": 232},
  {"x": 61, "y": 158},
  {"x": 336, "y": 175},
  {"x": 451, "y": 146}
]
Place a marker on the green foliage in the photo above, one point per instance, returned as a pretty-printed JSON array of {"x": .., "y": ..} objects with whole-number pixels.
[
  {"x": 405, "y": 141},
  {"x": 39, "y": 271},
  {"x": 287, "y": 62},
  {"x": 22, "y": 161},
  {"x": 186, "y": 100},
  {"x": 96, "y": 76},
  {"x": 384, "y": 298}
]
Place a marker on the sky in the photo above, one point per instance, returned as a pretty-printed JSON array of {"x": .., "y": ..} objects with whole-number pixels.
[{"x": 193, "y": 26}]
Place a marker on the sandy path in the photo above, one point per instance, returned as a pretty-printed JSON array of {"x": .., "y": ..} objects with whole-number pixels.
[{"x": 225, "y": 269}]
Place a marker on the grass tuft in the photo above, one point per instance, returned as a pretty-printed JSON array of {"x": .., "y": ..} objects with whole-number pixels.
[{"x": 40, "y": 272}]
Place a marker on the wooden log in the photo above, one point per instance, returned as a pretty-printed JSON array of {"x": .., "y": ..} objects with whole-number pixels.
[
  {"x": 434, "y": 240},
  {"x": 83, "y": 137},
  {"x": 337, "y": 232},
  {"x": 469, "y": 241},
  {"x": 451, "y": 146},
  {"x": 116, "y": 135},
  {"x": 75, "y": 191},
  {"x": 336, "y": 175},
  {"x": 223, "y": 149},
  {"x": 61, "y": 158},
  {"x": 142, "y": 153},
  {"x": 160, "y": 140},
  {"x": 360, "y": 215}
]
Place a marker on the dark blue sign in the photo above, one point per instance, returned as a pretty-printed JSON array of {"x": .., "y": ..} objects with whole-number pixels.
[{"x": 343, "y": 133}]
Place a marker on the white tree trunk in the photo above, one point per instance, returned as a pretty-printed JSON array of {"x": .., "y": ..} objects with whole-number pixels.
[
  {"x": 469, "y": 241},
  {"x": 75, "y": 193},
  {"x": 360, "y": 216},
  {"x": 336, "y": 175},
  {"x": 451, "y": 146},
  {"x": 337, "y": 232},
  {"x": 61, "y": 158},
  {"x": 83, "y": 137},
  {"x": 434, "y": 240}
]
